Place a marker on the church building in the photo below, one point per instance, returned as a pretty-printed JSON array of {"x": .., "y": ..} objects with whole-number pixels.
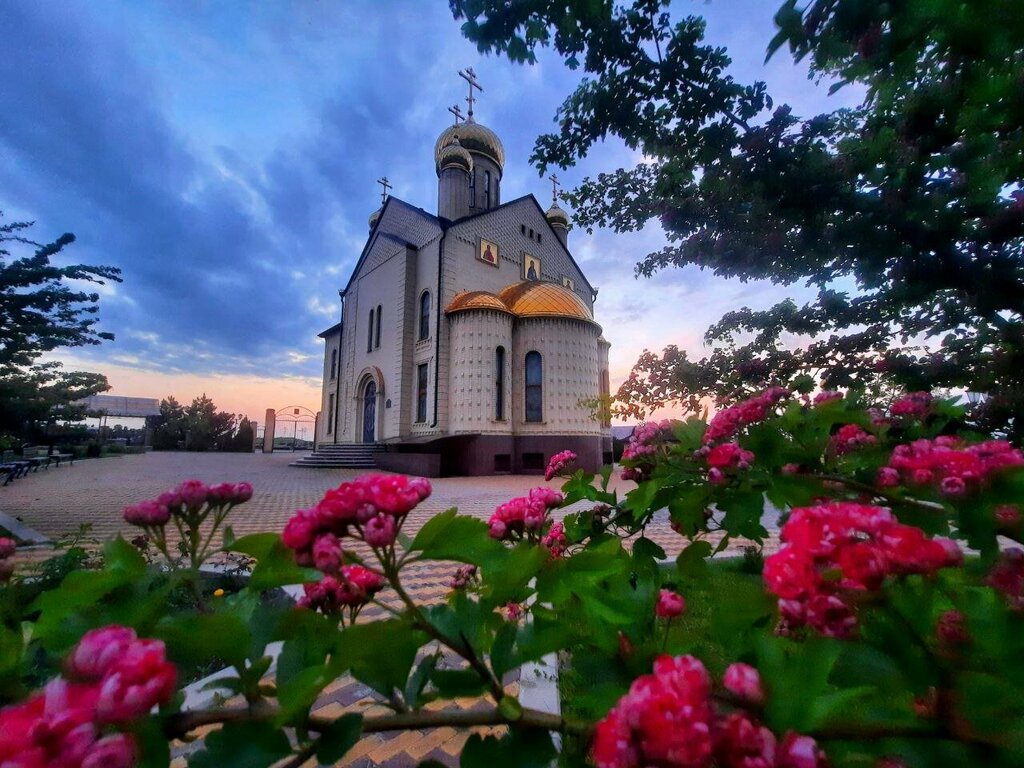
[{"x": 467, "y": 343}]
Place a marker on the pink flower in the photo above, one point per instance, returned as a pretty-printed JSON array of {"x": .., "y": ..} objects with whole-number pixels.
[
  {"x": 743, "y": 744},
  {"x": 327, "y": 553},
  {"x": 115, "y": 751},
  {"x": 512, "y": 611},
  {"x": 98, "y": 651},
  {"x": 670, "y": 604},
  {"x": 888, "y": 477},
  {"x": 558, "y": 464},
  {"x": 729, "y": 455},
  {"x": 7, "y": 547},
  {"x": 798, "y": 751},
  {"x": 380, "y": 531},
  {"x": 850, "y": 437},
  {"x": 1007, "y": 516},
  {"x": 555, "y": 540},
  {"x": 147, "y": 513},
  {"x": 744, "y": 681},
  {"x": 951, "y": 629},
  {"x": 140, "y": 680},
  {"x": 193, "y": 493},
  {"x": 827, "y": 396},
  {"x": 1007, "y": 577},
  {"x": 729, "y": 421},
  {"x": 463, "y": 576},
  {"x": 915, "y": 405},
  {"x": 243, "y": 492}
]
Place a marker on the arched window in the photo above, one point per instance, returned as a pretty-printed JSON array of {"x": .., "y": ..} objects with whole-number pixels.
[
  {"x": 499, "y": 383},
  {"x": 369, "y": 334},
  {"x": 334, "y": 363},
  {"x": 487, "y": 189},
  {"x": 534, "y": 387},
  {"x": 472, "y": 188},
  {"x": 376, "y": 343},
  {"x": 425, "y": 315}
]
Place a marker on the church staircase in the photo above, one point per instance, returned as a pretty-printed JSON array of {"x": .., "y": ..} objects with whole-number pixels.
[{"x": 335, "y": 455}]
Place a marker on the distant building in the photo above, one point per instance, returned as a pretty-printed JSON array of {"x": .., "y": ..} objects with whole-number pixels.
[{"x": 467, "y": 342}]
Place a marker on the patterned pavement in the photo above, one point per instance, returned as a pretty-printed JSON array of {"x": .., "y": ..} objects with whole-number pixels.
[{"x": 57, "y": 501}]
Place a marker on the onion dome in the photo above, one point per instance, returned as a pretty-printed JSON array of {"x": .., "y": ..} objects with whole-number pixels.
[
  {"x": 473, "y": 137},
  {"x": 454, "y": 155},
  {"x": 467, "y": 300},
  {"x": 556, "y": 216},
  {"x": 535, "y": 299},
  {"x": 375, "y": 216}
]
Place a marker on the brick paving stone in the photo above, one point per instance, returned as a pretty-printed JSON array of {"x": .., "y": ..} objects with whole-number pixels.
[{"x": 93, "y": 492}]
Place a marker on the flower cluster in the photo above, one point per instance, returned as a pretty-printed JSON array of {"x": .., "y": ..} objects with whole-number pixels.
[
  {"x": 915, "y": 405},
  {"x": 850, "y": 437},
  {"x": 187, "y": 498},
  {"x": 558, "y": 464},
  {"x": 371, "y": 508},
  {"x": 1008, "y": 577},
  {"x": 670, "y": 604},
  {"x": 111, "y": 678},
  {"x": 555, "y": 540},
  {"x": 834, "y": 548},
  {"x": 642, "y": 446},
  {"x": 351, "y": 587},
  {"x": 463, "y": 576},
  {"x": 7, "y": 549},
  {"x": 946, "y": 462},
  {"x": 668, "y": 719},
  {"x": 725, "y": 457},
  {"x": 524, "y": 516},
  {"x": 727, "y": 422},
  {"x": 826, "y": 396}
]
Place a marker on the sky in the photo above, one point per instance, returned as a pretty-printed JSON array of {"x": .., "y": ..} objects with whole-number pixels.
[{"x": 224, "y": 156}]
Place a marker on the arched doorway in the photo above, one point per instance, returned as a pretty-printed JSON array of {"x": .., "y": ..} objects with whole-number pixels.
[{"x": 369, "y": 407}]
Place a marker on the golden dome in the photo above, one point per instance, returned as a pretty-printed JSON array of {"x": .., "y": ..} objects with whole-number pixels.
[
  {"x": 476, "y": 300},
  {"x": 556, "y": 215},
  {"x": 475, "y": 138},
  {"x": 454, "y": 154},
  {"x": 534, "y": 299}
]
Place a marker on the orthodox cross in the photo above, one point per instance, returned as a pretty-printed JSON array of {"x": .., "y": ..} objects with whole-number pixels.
[
  {"x": 454, "y": 109},
  {"x": 385, "y": 186},
  {"x": 469, "y": 76},
  {"x": 554, "y": 187}
]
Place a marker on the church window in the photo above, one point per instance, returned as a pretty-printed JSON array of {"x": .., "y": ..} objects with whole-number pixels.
[
  {"x": 425, "y": 315},
  {"x": 421, "y": 392},
  {"x": 538, "y": 238},
  {"x": 534, "y": 387},
  {"x": 487, "y": 189},
  {"x": 334, "y": 363},
  {"x": 531, "y": 233},
  {"x": 330, "y": 414},
  {"x": 376, "y": 341},
  {"x": 472, "y": 189},
  {"x": 499, "y": 384},
  {"x": 369, "y": 334},
  {"x": 522, "y": 228}
]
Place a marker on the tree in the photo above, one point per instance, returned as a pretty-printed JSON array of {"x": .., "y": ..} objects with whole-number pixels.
[
  {"x": 905, "y": 213},
  {"x": 196, "y": 427},
  {"x": 40, "y": 312}
]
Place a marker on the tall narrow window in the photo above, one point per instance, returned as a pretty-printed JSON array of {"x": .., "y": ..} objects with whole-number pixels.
[
  {"x": 425, "y": 316},
  {"x": 487, "y": 189},
  {"x": 534, "y": 387},
  {"x": 376, "y": 343},
  {"x": 472, "y": 188},
  {"x": 330, "y": 414},
  {"x": 499, "y": 383},
  {"x": 334, "y": 363},
  {"x": 369, "y": 334},
  {"x": 421, "y": 392}
]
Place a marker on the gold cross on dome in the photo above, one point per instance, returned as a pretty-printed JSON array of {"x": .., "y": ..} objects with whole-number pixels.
[
  {"x": 469, "y": 76},
  {"x": 455, "y": 110},
  {"x": 385, "y": 186},
  {"x": 554, "y": 187}
]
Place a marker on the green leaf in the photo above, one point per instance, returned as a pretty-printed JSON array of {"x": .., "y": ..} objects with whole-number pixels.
[
  {"x": 381, "y": 653},
  {"x": 275, "y": 563},
  {"x": 242, "y": 745},
  {"x": 692, "y": 561},
  {"x": 204, "y": 637},
  {"x": 338, "y": 738},
  {"x": 450, "y": 536},
  {"x": 454, "y": 683},
  {"x": 419, "y": 678},
  {"x": 519, "y": 748}
]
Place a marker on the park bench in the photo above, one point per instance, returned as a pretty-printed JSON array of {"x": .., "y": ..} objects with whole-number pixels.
[{"x": 11, "y": 468}]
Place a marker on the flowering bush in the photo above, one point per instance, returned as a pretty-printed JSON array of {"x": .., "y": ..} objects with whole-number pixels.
[{"x": 884, "y": 628}]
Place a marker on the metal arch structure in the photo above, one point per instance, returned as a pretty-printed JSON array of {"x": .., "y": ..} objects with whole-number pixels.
[{"x": 290, "y": 414}]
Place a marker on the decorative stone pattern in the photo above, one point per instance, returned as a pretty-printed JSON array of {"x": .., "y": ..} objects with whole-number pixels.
[{"x": 475, "y": 337}]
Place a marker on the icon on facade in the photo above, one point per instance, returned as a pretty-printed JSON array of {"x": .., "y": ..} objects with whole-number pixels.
[
  {"x": 531, "y": 267},
  {"x": 568, "y": 283},
  {"x": 488, "y": 252}
]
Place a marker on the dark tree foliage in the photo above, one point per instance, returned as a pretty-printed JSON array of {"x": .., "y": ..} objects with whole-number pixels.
[
  {"x": 198, "y": 426},
  {"x": 39, "y": 312},
  {"x": 906, "y": 213}
]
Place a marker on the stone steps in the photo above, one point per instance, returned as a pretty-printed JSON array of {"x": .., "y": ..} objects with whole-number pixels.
[{"x": 340, "y": 455}]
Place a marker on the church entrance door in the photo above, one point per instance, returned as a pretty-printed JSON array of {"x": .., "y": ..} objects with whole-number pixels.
[{"x": 369, "y": 412}]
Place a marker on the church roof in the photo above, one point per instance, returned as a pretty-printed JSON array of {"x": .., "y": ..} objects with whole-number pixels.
[
  {"x": 528, "y": 298},
  {"x": 475, "y": 138}
]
